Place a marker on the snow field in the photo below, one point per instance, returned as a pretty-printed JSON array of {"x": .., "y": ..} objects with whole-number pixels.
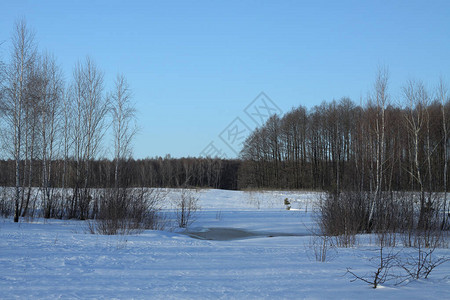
[{"x": 56, "y": 259}]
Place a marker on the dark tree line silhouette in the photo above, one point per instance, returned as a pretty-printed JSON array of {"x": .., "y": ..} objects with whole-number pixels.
[
  {"x": 334, "y": 145},
  {"x": 151, "y": 172},
  {"x": 375, "y": 149}
]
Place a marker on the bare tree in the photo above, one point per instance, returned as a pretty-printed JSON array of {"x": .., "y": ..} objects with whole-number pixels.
[
  {"x": 30, "y": 132},
  {"x": 18, "y": 75},
  {"x": 381, "y": 99},
  {"x": 116, "y": 206},
  {"x": 90, "y": 109},
  {"x": 124, "y": 128},
  {"x": 66, "y": 144},
  {"x": 186, "y": 206},
  {"x": 2, "y": 87},
  {"x": 51, "y": 95},
  {"x": 417, "y": 100},
  {"x": 443, "y": 98}
]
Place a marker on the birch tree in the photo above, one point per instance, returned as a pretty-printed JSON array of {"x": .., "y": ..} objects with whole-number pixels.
[
  {"x": 417, "y": 100},
  {"x": 381, "y": 100},
  {"x": 124, "y": 129},
  {"x": 443, "y": 98},
  {"x": 30, "y": 133},
  {"x": 51, "y": 94},
  {"x": 18, "y": 75},
  {"x": 90, "y": 109}
]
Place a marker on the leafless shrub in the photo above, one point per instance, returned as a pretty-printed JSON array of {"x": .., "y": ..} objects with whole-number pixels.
[
  {"x": 397, "y": 217},
  {"x": 393, "y": 215},
  {"x": 186, "y": 206},
  {"x": 126, "y": 211},
  {"x": 322, "y": 245},
  {"x": 422, "y": 228},
  {"x": 6, "y": 205},
  {"x": 343, "y": 216},
  {"x": 384, "y": 262},
  {"x": 422, "y": 263},
  {"x": 254, "y": 199}
]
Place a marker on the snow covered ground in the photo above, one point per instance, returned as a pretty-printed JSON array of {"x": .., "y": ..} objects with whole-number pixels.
[{"x": 57, "y": 259}]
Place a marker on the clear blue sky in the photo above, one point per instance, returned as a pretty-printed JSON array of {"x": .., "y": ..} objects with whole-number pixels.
[{"x": 194, "y": 66}]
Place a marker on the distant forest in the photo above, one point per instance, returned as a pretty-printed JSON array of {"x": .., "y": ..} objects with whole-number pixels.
[
  {"x": 340, "y": 145},
  {"x": 155, "y": 172}
]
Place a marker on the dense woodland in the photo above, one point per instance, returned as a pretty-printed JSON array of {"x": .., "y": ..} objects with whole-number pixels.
[
  {"x": 342, "y": 145},
  {"x": 362, "y": 155}
]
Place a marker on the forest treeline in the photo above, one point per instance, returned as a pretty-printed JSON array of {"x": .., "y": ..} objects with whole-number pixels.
[
  {"x": 339, "y": 144},
  {"x": 150, "y": 172},
  {"x": 364, "y": 156}
]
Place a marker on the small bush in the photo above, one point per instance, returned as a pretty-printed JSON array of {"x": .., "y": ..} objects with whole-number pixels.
[
  {"x": 186, "y": 206},
  {"x": 422, "y": 263},
  {"x": 382, "y": 263},
  {"x": 126, "y": 211},
  {"x": 322, "y": 245},
  {"x": 6, "y": 204},
  {"x": 343, "y": 216}
]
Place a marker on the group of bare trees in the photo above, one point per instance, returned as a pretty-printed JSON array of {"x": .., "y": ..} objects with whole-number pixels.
[
  {"x": 53, "y": 133},
  {"x": 52, "y": 129},
  {"x": 383, "y": 146},
  {"x": 31, "y": 93},
  {"x": 378, "y": 146}
]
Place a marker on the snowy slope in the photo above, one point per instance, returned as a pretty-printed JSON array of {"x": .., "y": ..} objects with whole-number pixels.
[{"x": 57, "y": 259}]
